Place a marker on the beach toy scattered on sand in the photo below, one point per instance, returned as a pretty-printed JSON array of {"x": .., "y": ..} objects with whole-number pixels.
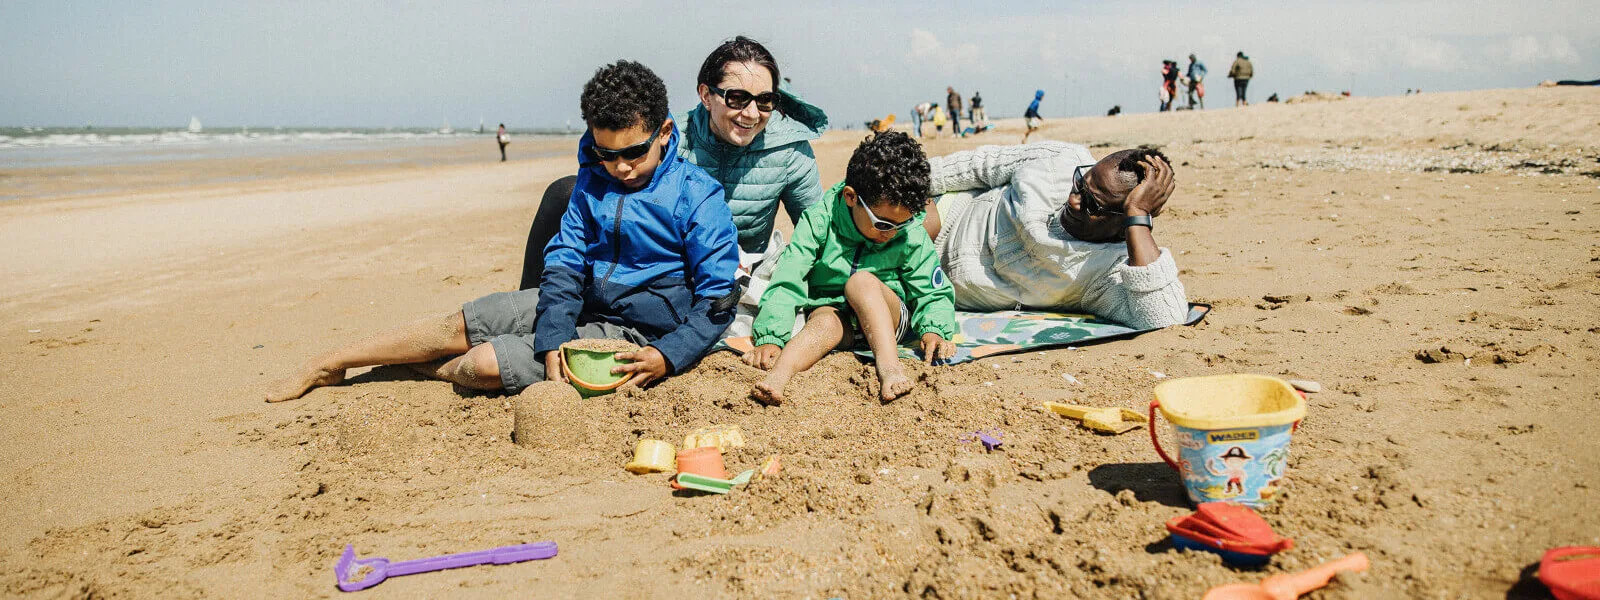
[
  {"x": 1572, "y": 572},
  {"x": 652, "y": 456},
  {"x": 771, "y": 466},
  {"x": 355, "y": 574},
  {"x": 690, "y": 481},
  {"x": 1232, "y": 433},
  {"x": 724, "y": 437},
  {"x": 990, "y": 439},
  {"x": 1289, "y": 586},
  {"x": 587, "y": 363},
  {"x": 705, "y": 462},
  {"x": 1105, "y": 420},
  {"x": 1234, "y": 531}
]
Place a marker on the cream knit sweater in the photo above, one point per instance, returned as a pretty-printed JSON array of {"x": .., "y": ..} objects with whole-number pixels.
[{"x": 1004, "y": 249}]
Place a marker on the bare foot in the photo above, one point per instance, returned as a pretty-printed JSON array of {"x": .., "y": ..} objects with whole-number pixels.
[
  {"x": 892, "y": 381},
  {"x": 769, "y": 391},
  {"x": 297, "y": 385}
]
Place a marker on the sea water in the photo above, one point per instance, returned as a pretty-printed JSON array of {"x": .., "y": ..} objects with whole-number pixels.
[{"x": 43, "y": 147}]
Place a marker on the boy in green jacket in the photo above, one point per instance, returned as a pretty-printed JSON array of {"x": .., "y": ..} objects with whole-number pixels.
[{"x": 861, "y": 268}]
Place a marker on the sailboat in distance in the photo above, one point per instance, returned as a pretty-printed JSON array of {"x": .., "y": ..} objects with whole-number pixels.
[{"x": 194, "y": 124}]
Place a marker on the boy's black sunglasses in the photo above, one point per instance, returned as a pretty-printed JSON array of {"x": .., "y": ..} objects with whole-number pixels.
[
  {"x": 630, "y": 153},
  {"x": 738, "y": 99}
]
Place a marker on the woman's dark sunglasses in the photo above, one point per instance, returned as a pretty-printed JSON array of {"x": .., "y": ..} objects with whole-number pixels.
[
  {"x": 1080, "y": 186},
  {"x": 738, "y": 99},
  {"x": 630, "y": 153}
]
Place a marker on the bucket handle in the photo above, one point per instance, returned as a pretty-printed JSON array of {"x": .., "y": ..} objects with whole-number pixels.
[{"x": 1156, "y": 441}]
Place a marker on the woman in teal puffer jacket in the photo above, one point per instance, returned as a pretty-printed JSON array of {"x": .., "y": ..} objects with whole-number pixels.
[{"x": 748, "y": 132}]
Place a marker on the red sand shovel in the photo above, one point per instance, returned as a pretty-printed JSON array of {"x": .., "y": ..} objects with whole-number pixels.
[{"x": 1289, "y": 586}]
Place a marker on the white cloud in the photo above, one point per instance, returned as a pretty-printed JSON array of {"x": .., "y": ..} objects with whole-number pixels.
[
  {"x": 1430, "y": 54},
  {"x": 1528, "y": 50},
  {"x": 925, "y": 46}
]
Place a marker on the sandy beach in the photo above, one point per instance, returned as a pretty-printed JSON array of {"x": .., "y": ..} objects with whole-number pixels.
[{"x": 1432, "y": 261}]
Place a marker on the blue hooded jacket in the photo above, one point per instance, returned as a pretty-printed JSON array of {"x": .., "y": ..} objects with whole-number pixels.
[{"x": 660, "y": 259}]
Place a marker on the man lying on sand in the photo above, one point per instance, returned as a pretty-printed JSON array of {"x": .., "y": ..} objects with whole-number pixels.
[
  {"x": 647, "y": 253},
  {"x": 862, "y": 270},
  {"x": 1046, "y": 227}
]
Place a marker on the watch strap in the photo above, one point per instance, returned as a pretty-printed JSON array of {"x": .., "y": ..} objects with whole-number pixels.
[{"x": 1137, "y": 220}]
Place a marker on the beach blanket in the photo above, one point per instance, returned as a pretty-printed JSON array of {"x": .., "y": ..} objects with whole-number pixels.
[{"x": 995, "y": 333}]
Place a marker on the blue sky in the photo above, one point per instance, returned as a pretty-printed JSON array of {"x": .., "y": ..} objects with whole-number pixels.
[{"x": 379, "y": 64}]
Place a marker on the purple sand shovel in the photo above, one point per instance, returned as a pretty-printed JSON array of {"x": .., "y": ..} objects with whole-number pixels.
[{"x": 378, "y": 569}]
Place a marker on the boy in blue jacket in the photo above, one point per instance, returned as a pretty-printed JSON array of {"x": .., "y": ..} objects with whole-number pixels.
[{"x": 647, "y": 253}]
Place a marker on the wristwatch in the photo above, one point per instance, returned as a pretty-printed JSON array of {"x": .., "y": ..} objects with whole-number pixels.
[{"x": 1136, "y": 220}]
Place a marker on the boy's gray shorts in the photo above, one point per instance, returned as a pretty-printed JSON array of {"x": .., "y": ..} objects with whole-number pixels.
[{"x": 504, "y": 320}]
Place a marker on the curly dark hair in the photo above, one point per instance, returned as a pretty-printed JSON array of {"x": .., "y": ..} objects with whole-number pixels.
[
  {"x": 1128, "y": 161},
  {"x": 622, "y": 95},
  {"x": 739, "y": 49},
  {"x": 890, "y": 167}
]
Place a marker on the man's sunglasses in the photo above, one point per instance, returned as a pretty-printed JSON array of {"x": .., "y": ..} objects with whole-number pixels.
[
  {"x": 738, "y": 99},
  {"x": 1080, "y": 186},
  {"x": 630, "y": 153},
  {"x": 878, "y": 223}
]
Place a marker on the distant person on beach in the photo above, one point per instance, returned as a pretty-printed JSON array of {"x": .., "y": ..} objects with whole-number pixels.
[
  {"x": 1193, "y": 80},
  {"x": 976, "y": 113},
  {"x": 1240, "y": 73},
  {"x": 752, "y": 135},
  {"x": 647, "y": 253},
  {"x": 1047, "y": 227},
  {"x": 919, "y": 113},
  {"x": 504, "y": 139},
  {"x": 952, "y": 103},
  {"x": 862, "y": 271},
  {"x": 1032, "y": 115},
  {"x": 1169, "y": 83}
]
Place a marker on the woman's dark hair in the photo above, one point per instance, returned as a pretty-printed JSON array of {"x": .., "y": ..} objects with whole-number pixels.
[
  {"x": 739, "y": 49},
  {"x": 890, "y": 167},
  {"x": 622, "y": 95}
]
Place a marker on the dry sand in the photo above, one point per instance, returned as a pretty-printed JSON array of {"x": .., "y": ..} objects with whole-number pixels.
[{"x": 1430, "y": 260}]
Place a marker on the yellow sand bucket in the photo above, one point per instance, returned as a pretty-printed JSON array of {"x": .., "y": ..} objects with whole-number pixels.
[{"x": 1232, "y": 432}]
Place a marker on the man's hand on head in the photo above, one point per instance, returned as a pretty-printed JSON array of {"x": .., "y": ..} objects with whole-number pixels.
[{"x": 1150, "y": 196}]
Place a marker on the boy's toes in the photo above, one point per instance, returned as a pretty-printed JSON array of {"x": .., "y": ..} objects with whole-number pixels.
[
  {"x": 895, "y": 386},
  {"x": 767, "y": 393},
  {"x": 298, "y": 385}
]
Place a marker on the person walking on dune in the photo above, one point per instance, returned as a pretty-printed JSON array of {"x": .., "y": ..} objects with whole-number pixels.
[
  {"x": 1240, "y": 73},
  {"x": 503, "y": 138},
  {"x": 952, "y": 103},
  {"x": 919, "y": 113},
  {"x": 1193, "y": 78},
  {"x": 1169, "y": 83},
  {"x": 1032, "y": 115}
]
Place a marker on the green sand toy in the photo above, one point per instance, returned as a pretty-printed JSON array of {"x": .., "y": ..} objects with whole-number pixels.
[{"x": 701, "y": 483}]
